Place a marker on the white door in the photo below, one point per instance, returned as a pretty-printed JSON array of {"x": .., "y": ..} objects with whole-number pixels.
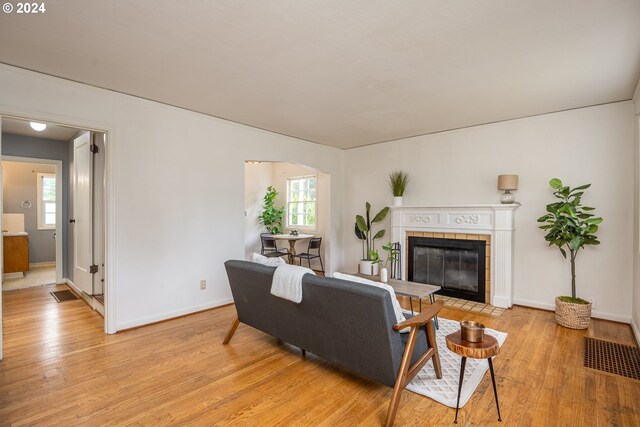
[{"x": 82, "y": 214}]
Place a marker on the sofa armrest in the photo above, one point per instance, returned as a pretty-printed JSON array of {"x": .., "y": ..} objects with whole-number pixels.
[{"x": 422, "y": 317}]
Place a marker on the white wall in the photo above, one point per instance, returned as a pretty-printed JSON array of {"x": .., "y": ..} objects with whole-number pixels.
[
  {"x": 257, "y": 178},
  {"x": 176, "y": 190},
  {"x": 589, "y": 145}
]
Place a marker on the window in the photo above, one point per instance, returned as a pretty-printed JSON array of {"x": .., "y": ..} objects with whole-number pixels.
[
  {"x": 302, "y": 202},
  {"x": 46, "y": 201}
]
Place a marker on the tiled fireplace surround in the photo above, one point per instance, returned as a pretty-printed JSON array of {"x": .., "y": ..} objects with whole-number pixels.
[{"x": 491, "y": 223}]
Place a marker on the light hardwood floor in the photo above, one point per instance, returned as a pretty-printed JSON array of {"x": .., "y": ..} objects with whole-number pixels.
[{"x": 60, "y": 369}]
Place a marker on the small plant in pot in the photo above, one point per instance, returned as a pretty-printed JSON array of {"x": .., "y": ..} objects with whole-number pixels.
[
  {"x": 364, "y": 232},
  {"x": 570, "y": 226},
  {"x": 398, "y": 181},
  {"x": 392, "y": 256}
]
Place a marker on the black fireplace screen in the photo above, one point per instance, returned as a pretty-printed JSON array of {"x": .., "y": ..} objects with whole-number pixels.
[{"x": 458, "y": 266}]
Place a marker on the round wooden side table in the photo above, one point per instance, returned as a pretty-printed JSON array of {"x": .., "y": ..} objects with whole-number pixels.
[{"x": 476, "y": 350}]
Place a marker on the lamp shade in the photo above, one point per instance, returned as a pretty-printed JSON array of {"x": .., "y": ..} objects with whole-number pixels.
[{"x": 507, "y": 182}]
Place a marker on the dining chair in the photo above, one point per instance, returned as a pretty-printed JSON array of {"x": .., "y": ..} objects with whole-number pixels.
[
  {"x": 314, "y": 244},
  {"x": 269, "y": 247}
]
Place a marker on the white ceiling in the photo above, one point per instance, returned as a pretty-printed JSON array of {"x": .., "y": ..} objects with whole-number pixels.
[
  {"x": 52, "y": 131},
  {"x": 341, "y": 73}
]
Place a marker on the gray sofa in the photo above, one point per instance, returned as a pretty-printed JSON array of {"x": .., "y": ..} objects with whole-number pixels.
[{"x": 349, "y": 324}]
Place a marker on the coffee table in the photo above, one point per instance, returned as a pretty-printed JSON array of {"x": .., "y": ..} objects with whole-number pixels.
[{"x": 410, "y": 289}]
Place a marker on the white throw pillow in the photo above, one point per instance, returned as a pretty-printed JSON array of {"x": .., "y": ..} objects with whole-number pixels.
[
  {"x": 270, "y": 261},
  {"x": 396, "y": 305}
]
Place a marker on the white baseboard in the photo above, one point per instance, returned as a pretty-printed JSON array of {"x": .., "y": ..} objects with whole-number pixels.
[
  {"x": 499, "y": 301},
  {"x": 636, "y": 330},
  {"x": 594, "y": 313},
  {"x": 165, "y": 316},
  {"x": 42, "y": 264},
  {"x": 87, "y": 298},
  {"x": 73, "y": 285},
  {"x": 97, "y": 306}
]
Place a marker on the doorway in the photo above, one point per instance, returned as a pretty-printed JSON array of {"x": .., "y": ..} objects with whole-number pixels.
[
  {"x": 303, "y": 195},
  {"x": 78, "y": 186},
  {"x": 31, "y": 222}
]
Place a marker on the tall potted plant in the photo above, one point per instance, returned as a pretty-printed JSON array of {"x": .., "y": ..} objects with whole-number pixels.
[
  {"x": 570, "y": 226},
  {"x": 398, "y": 181},
  {"x": 271, "y": 215},
  {"x": 364, "y": 232}
]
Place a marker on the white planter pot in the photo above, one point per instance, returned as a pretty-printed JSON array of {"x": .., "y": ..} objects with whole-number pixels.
[
  {"x": 384, "y": 275},
  {"x": 367, "y": 267},
  {"x": 397, "y": 201}
]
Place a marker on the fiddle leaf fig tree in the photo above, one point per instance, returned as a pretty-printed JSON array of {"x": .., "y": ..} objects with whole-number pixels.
[
  {"x": 570, "y": 226},
  {"x": 272, "y": 216},
  {"x": 364, "y": 232}
]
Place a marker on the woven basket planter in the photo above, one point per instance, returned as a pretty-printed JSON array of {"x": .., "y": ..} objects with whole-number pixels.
[{"x": 574, "y": 316}]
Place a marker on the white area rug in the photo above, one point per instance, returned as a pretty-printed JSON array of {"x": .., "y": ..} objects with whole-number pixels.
[{"x": 445, "y": 390}]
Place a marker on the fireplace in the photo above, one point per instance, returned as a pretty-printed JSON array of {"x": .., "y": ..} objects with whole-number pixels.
[
  {"x": 493, "y": 224},
  {"x": 458, "y": 266}
]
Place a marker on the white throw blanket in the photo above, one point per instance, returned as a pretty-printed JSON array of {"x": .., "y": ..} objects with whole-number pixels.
[{"x": 287, "y": 282}]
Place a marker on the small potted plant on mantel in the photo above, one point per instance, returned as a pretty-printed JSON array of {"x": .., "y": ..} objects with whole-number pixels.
[
  {"x": 398, "y": 181},
  {"x": 364, "y": 232},
  {"x": 570, "y": 226}
]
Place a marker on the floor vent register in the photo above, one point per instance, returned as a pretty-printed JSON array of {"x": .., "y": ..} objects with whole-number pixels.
[
  {"x": 611, "y": 357},
  {"x": 62, "y": 296}
]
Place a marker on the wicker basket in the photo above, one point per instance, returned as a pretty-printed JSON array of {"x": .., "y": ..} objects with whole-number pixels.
[{"x": 574, "y": 316}]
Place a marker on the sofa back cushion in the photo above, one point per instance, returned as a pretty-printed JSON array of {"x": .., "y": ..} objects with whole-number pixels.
[{"x": 342, "y": 322}]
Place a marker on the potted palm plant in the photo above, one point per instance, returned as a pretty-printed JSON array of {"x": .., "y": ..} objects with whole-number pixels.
[
  {"x": 570, "y": 226},
  {"x": 398, "y": 181},
  {"x": 364, "y": 232}
]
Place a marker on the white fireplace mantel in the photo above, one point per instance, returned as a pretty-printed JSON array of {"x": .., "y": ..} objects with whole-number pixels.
[{"x": 494, "y": 220}]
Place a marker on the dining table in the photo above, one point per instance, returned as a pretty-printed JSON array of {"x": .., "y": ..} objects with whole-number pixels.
[{"x": 292, "y": 238}]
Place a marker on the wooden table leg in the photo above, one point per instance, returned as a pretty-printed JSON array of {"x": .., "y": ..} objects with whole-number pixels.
[
  {"x": 495, "y": 391},
  {"x": 292, "y": 251},
  {"x": 462, "y": 366}
]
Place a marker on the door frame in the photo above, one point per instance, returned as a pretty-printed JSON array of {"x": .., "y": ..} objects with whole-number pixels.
[
  {"x": 58, "y": 164},
  {"x": 109, "y": 206}
]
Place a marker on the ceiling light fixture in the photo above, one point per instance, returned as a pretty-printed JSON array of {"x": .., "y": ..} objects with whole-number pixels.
[{"x": 38, "y": 126}]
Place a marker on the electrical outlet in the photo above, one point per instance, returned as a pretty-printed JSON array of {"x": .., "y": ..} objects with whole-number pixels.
[
  {"x": 203, "y": 284},
  {"x": 593, "y": 303}
]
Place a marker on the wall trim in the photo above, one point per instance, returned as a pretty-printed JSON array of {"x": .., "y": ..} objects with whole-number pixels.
[
  {"x": 90, "y": 300},
  {"x": 172, "y": 314},
  {"x": 42, "y": 264},
  {"x": 594, "y": 313},
  {"x": 636, "y": 331}
]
